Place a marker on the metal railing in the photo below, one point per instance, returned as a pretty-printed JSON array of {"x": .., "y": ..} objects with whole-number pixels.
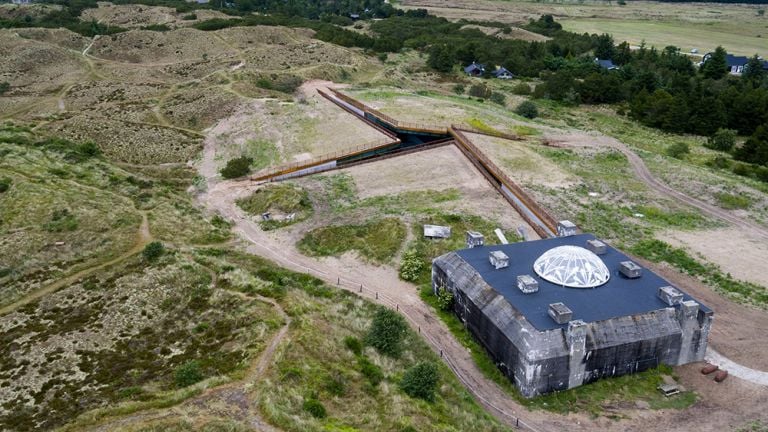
[
  {"x": 319, "y": 160},
  {"x": 519, "y": 193}
]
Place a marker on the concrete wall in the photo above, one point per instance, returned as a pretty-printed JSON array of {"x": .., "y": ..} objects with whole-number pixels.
[{"x": 540, "y": 362}]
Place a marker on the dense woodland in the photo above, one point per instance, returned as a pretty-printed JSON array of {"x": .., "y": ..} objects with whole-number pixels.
[{"x": 660, "y": 88}]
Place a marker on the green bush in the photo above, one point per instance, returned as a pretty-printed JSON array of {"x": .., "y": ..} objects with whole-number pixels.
[
  {"x": 314, "y": 408},
  {"x": 498, "y": 98},
  {"x": 4, "y": 87},
  {"x": 153, "y": 251},
  {"x": 459, "y": 89},
  {"x": 189, "y": 17},
  {"x": 61, "y": 220},
  {"x": 353, "y": 344},
  {"x": 387, "y": 332},
  {"x": 522, "y": 89},
  {"x": 528, "y": 110},
  {"x": 5, "y": 184},
  {"x": 722, "y": 140},
  {"x": 480, "y": 91},
  {"x": 420, "y": 381},
  {"x": 445, "y": 299},
  {"x": 187, "y": 374},
  {"x": 678, "y": 150},
  {"x": 411, "y": 266},
  {"x": 370, "y": 371},
  {"x": 237, "y": 167}
]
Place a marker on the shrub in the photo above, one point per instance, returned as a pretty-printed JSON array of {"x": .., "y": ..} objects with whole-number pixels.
[
  {"x": 314, "y": 408},
  {"x": 412, "y": 265},
  {"x": 420, "y": 381},
  {"x": 353, "y": 344},
  {"x": 498, "y": 98},
  {"x": 187, "y": 374},
  {"x": 444, "y": 299},
  {"x": 5, "y": 184},
  {"x": 334, "y": 384},
  {"x": 237, "y": 167},
  {"x": 370, "y": 371},
  {"x": 61, "y": 220},
  {"x": 459, "y": 89},
  {"x": 387, "y": 332},
  {"x": 480, "y": 91},
  {"x": 522, "y": 89},
  {"x": 528, "y": 110},
  {"x": 678, "y": 150},
  {"x": 153, "y": 251},
  {"x": 189, "y": 17},
  {"x": 722, "y": 140},
  {"x": 4, "y": 87}
]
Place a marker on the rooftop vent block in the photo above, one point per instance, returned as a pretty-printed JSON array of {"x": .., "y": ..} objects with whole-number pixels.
[
  {"x": 630, "y": 269},
  {"x": 498, "y": 259},
  {"x": 527, "y": 284},
  {"x": 566, "y": 228},
  {"x": 560, "y": 313},
  {"x": 474, "y": 239},
  {"x": 669, "y": 295},
  {"x": 596, "y": 247},
  {"x": 437, "y": 231}
]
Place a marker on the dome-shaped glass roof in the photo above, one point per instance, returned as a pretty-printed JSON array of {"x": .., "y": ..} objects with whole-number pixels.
[{"x": 572, "y": 266}]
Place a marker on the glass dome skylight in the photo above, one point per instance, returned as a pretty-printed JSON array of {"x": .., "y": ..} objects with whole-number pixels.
[{"x": 572, "y": 266}]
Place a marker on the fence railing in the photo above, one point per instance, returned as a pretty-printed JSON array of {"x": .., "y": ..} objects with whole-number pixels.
[
  {"x": 519, "y": 193},
  {"x": 397, "y": 124},
  {"x": 319, "y": 160}
]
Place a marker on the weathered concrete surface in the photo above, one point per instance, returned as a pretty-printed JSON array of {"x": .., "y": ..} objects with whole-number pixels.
[{"x": 735, "y": 369}]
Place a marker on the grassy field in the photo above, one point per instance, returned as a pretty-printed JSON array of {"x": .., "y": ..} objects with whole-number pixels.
[{"x": 736, "y": 37}]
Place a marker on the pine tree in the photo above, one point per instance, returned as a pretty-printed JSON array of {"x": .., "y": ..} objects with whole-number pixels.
[{"x": 715, "y": 67}]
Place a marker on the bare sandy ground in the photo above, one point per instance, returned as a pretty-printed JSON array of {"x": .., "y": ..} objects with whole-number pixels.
[
  {"x": 735, "y": 251},
  {"x": 523, "y": 164}
]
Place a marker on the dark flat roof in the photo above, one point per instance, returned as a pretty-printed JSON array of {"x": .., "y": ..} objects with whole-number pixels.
[{"x": 620, "y": 296}]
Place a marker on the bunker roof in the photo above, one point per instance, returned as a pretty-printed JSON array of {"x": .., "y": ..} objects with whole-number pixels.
[{"x": 620, "y": 296}]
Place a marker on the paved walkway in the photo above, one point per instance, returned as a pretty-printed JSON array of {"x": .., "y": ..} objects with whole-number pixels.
[{"x": 735, "y": 369}]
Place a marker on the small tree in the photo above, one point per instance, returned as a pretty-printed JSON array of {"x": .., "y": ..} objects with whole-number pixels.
[
  {"x": 314, "y": 408},
  {"x": 444, "y": 299},
  {"x": 153, "y": 251},
  {"x": 188, "y": 374},
  {"x": 237, "y": 167},
  {"x": 678, "y": 150},
  {"x": 527, "y": 109},
  {"x": 480, "y": 91},
  {"x": 420, "y": 381},
  {"x": 722, "y": 140},
  {"x": 412, "y": 265},
  {"x": 716, "y": 65},
  {"x": 387, "y": 332},
  {"x": 498, "y": 98},
  {"x": 521, "y": 89},
  {"x": 5, "y": 184}
]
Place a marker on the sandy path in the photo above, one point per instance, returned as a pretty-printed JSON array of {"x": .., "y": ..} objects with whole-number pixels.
[
  {"x": 143, "y": 237},
  {"x": 230, "y": 401}
]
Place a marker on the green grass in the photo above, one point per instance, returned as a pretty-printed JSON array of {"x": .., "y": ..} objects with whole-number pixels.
[
  {"x": 738, "y": 38},
  {"x": 263, "y": 153},
  {"x": 285, "y": 198},
  {"x": 740, "y": 291},
  {"x": 376, "y": 240},
  {"x": 733, "y": 201}
]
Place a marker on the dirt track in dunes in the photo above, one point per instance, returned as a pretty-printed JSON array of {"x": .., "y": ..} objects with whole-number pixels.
[{"x": 229, "y": 401}]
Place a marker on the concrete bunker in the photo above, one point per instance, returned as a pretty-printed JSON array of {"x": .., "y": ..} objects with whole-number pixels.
[{"x": 556, "y": 337}]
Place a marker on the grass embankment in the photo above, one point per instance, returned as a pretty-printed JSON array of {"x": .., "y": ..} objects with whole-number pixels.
[
  {"x": 280, "y": 200},
  {"x": 66, "y": 208},
  {"x": 378, "y": 240}
]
